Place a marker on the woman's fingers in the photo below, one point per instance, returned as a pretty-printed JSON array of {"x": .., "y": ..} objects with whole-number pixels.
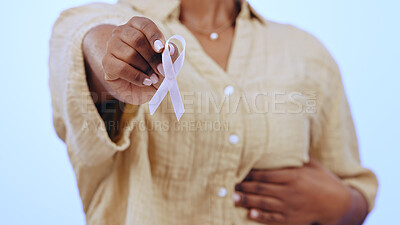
[
  {"x": 266, "y": 217},
  {"x": 150, "y": 30},
  {"x": 126, "y": 53},
  {"x": 119, "y": 69},
  {"x": 138, "y": 41},
  {"x": 155, "y": 39},
  {"x": 258, "y": 197},
  {"x": 282, "y": 176},
  {"x": 259, "y": 188},
  {"x": 265, "y": 203}
]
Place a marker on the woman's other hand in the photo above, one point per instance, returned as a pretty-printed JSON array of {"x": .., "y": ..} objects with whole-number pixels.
[{"x": 300, "y": 196}]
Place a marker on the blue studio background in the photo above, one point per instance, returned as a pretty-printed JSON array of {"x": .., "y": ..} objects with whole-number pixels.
[{"x": 37, "y": 184}]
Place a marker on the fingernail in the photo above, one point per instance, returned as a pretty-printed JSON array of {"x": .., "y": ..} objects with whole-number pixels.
[
  {"x": 236, "y": 197},
  {"x": 147, "y": 82},
  {"x": 160, "y": 69},
  {"x": 158, "y": 45},
  {"x": 171, "y": 49},
  {"x": 154, "y": 78},
  {"x": 254, "y": 214}
]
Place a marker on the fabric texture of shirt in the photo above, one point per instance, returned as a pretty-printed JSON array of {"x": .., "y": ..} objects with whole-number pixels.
[{"x": 280, "y": 101}]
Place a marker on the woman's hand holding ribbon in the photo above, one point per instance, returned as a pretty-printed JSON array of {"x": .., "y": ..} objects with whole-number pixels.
[{"x": 132, "y": 64}]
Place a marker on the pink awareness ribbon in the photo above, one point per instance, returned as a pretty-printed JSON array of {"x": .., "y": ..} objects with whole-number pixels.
[{"x": 170, "y": 84}]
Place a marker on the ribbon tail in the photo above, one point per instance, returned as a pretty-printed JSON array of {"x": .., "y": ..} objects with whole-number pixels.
[
  {"x": 176, "y": 100},
  {"x": 158, "y": 97}
]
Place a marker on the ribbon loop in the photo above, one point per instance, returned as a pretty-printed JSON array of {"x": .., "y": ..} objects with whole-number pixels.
[{"x": 170, "y": 84}]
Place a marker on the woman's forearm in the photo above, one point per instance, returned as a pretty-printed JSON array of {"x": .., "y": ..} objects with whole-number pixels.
[{"x": 94, "y": 49}]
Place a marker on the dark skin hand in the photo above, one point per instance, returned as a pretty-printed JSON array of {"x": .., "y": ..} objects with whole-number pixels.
[
  {"x": 124, "y": 62},
  {"x": 300, "y": 196}
]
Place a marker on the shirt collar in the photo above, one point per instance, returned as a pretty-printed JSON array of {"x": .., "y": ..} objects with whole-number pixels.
[{"x": 164, "y": 9}]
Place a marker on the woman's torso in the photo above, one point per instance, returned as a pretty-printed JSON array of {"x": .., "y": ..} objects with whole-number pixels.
[{"x": 259, "y": 113}]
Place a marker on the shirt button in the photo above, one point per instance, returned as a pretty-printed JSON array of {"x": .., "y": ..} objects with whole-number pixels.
[
  {"x": 233, "y": 139},
  {"x": 222, "y": 192},
  {"x": 229, "y": 90}
]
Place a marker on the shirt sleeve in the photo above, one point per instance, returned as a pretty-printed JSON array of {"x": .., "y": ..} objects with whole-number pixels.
[
  {"x": 75, "y": 117},
  {"x": 334, "y": 138}
]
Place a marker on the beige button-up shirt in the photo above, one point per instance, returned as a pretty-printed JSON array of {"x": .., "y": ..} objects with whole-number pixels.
[{"x": 280, "y": 100}]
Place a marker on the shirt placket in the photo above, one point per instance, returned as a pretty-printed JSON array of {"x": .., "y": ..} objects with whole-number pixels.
[{"x": 223, "y": 182}]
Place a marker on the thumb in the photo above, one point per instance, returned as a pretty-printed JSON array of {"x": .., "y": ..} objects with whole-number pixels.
[{"x": 173, "y": 50}]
